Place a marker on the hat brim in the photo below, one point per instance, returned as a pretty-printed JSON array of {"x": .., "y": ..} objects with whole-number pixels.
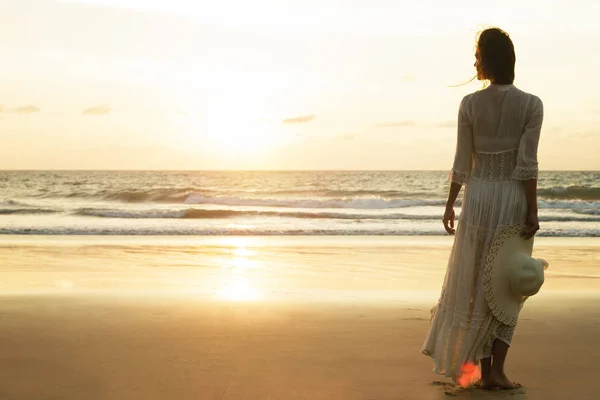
[{"x": 498, "y": 269}]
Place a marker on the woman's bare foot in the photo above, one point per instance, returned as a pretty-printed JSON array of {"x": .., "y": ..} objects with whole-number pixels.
[
  {"x": 486, "y": 369},
  {"x": 485, "y": 383},
  {"x": 500, "y": 381}
]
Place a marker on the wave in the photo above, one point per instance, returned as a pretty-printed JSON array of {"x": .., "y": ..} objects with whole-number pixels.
[
  {"x": 372, "y": 203},
  {"x": 109, "y": 213},
  {"x": 160, "y": 195},
  {"x": 573, "y": 205},
  {"x": 554, "y": 197},
  {"x": 135, "y": 195},
  {"x": 578, "y": 215},
  {"x": 337, "y": 193},
  {"x": 9, "y": 207},
  {"x": 567, "y": 218},
  {"x": 345, "y": 199},
  {"x": 361, "y": 199},
  {"x": 193, "y": 213},
  {"x": 10, "y": 211},
  {"x": 570, "y": 193},
  {"x": 232, "y": 231},
  {"x": 590, "y": 211},
  {"x": 13, "y": 203}
]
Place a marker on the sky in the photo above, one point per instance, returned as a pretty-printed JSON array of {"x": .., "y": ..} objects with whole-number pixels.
[{"x": 276, "y": 84}]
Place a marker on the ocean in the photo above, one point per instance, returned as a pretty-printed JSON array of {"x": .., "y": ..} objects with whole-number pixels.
[{"x": 388, "y": 203}]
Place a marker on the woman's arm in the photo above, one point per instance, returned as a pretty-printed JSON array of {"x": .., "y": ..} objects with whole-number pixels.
[
  {"x": 527, "y": 166},
  {"x": 461, "y": 168},
  {"x": 532, "y": 224},
  {"x": 449, "y": 215},
  {"x": 463, "y": 156},
  {"x": 530, "y": 186}
]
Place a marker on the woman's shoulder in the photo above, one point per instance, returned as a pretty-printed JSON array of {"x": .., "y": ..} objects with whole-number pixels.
[
  {"x": 484, "y": 95},
  {"x": 471, "y": 98},
  {"x": 530, "y": 102},
  {"x": 530, "y": 97},
  {"x": 468, "y": 99}
]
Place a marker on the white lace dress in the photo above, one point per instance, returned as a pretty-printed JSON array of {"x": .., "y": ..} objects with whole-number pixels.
[{"x": 498, "y": 134}]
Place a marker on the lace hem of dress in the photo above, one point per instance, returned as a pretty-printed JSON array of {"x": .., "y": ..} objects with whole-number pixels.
[
  {"x": 504, "y": 333},
  {"x": 492, "y": 329},
  {"x": 458, "y": 177},
  {"x": 487, "y": 280},
  {"x": 522, "y": 173}
]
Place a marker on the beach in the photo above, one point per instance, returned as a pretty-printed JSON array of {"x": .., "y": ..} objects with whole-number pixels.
[{"x": 268, "y": 318}]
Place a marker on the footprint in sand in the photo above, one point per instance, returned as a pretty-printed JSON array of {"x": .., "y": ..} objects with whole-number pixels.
[{"x": 474, "y": 392}]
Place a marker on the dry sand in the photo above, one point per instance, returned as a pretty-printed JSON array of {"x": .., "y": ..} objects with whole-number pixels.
[{"x": 74, "y": 347}]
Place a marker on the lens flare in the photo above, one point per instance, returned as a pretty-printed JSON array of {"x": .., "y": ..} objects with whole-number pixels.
[{"x": 469, "y": 374}]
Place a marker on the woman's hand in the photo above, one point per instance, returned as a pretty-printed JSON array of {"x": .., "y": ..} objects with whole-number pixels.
[
  {"x": 532, "y": 225},
  {"x": 448, "y": 220}
]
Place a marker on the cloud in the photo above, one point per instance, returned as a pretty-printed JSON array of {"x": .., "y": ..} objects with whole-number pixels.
[
  {"x": 396, "y": 124},
  {"x": 584, "y": 135},
  {"x": 447, "y": 124},
  {"x": 347, "y": 136},
  {"x": 299, "y": 120},
  {"x": 26, "y": 109},
  {"x": 99, "y": 110}
]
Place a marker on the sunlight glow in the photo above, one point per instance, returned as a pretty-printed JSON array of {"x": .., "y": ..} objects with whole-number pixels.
[
  {"x": 239, "y": 289},
  {"x": 242, "y": 252},
  {"x": 227, "y": 85},
  {"x": 237, "y": 286},
  {"x": 64, "y": 284},
  {"x": 347, "y": 17},
  {"x": 232, "y": 134}
]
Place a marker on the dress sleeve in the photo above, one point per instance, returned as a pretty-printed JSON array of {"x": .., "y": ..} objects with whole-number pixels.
[
  {"x": 527, "y": 162},
  {"x": 461, "y": 168}
]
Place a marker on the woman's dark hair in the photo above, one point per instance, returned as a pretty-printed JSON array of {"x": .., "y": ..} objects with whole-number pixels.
[{"x": 496, "y": 56}]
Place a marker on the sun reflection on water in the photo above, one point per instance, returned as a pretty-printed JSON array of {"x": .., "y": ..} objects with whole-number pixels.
[
  {"x": 64, "y": 284},
  {"x": 237, "y": 286},
  {"x": 239, "y": 289}
]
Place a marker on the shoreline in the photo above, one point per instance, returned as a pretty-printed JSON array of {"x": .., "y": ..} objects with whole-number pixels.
[
  {"x": 263, "y": 268},
  {"x": 275, "y": 239}
]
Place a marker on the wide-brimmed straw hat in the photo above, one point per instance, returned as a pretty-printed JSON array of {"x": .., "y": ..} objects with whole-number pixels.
[{"x": 511, "y": 274}]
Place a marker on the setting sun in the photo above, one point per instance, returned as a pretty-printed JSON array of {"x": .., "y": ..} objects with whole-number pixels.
[{"x": 231, "y": 136}]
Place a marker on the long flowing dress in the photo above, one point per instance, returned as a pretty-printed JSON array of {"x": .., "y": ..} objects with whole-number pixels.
[{"x": 498, "y": 134}]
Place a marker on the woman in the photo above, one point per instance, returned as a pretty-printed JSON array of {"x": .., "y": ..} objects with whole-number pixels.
[{"x": 496, "y": 160}]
